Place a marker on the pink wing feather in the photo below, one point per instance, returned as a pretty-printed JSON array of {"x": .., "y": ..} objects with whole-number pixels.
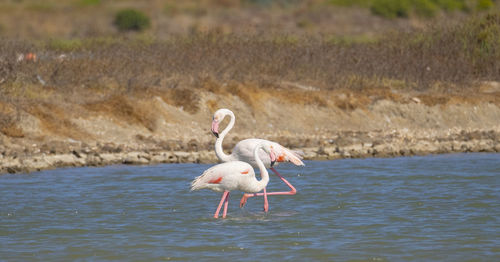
[{"x": 286, "y": 155}]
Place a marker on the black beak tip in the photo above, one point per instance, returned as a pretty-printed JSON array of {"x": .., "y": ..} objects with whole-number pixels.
[
  {"x": 272, "y": 163},
  {"x": 216, "y": 134}
]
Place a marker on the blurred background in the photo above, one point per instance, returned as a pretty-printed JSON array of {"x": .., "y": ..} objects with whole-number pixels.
[
  {"x": 142, "y": 74},
  {"x": 357, "y": 20}
]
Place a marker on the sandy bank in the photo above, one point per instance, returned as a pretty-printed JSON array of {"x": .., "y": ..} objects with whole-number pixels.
[
  {"x": 413, "y": 125},
  {"x": 342, "y": 145}
]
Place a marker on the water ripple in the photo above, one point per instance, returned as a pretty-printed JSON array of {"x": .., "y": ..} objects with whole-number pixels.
[{"x": 443, "y": 207}]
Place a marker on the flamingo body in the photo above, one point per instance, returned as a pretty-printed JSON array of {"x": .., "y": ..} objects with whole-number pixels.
[
  {"x": 235, "y": 175},
  {"x": 229, "y": 176},
  {"x": 243, "y": 151}
]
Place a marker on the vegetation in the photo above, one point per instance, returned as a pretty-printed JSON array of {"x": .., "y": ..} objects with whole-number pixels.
[
  {"x": 89, "y": 2},
  {"x": 390, "y": 8},
  {"x": 101, "y": 68},
  {"x": 131, "y": 20},
  {"x": 47, "y": 72},
  {"x": 424, "y": 8}
]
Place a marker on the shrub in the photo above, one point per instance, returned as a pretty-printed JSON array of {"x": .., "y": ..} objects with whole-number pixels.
[
  {"x": 66, "y": 45},
  {"x": 41, "y": 6},
  {"x": 390, "y": 8},
  {"x": 425, "y": 8},
  {"x": 484, "y": 5},
  {"x": 89, "y": 2},
  {"x": 131, "y": 20},
  {"x": 484, "y": 39},
  {"x": 450, "y": 5},
  {"x": 364, "y": 3}
]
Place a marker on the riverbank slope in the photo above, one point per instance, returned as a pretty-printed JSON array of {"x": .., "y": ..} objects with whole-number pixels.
[{"x": 346, "y": 125}]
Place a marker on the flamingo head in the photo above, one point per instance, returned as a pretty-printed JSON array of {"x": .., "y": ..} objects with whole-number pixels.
[
  {"x": 215, "y": 128},
  {"x": 268, "y": 148},
  {"x": 272, "y": 155},
  {"x": 218, "y": 117}
]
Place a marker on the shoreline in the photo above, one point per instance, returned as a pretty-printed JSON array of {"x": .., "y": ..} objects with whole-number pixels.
[
  {"x": 162, "y": 133},
  {"x": 342, "y": 145}
]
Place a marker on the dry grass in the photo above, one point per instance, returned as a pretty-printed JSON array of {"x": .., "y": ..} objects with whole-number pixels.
[
  {"x": 56, "y": 120},
  {"x": 113, "y": 76},
  {"x": 212, "y": 105},
  {"x": 182, "y": 97},
  {"x": 11, "y": 129},
  {"x": 125, "y": 109},
  {"x": 8, "y": 122},
  {"x": 302, "y": 97},
  {"x": 448, "y": 54}
]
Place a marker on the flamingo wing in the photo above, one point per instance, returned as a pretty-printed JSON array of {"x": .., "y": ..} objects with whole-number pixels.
[
  {"x": 284, "y": 154},
  {"x": 222, "y": 177},
  {"x": 243, "y": 151}
]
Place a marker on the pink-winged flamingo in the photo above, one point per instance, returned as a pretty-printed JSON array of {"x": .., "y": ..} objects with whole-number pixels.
[
  {"x": 244, "y": 149},
  {"x": 235, "y": 175}
]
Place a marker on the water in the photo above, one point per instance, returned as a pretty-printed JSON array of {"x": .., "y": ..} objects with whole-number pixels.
[{"x": 443, "y": 208}]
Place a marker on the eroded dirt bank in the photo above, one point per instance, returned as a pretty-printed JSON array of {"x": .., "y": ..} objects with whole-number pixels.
[{"x": 345, "y": 126}]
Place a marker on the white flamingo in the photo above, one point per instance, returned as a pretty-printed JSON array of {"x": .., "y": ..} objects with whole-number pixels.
[
  {"x": 235, "y": 175},
  {"x": 244, "y": 149}
]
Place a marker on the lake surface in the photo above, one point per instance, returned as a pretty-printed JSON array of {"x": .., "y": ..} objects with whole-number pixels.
[{"x": 444, "y": 207}]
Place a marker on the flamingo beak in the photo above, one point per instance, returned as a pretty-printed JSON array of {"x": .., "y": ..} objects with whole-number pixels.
[
  {"x": 273, "y": 158},
  {"x": 215, "y": 128}
]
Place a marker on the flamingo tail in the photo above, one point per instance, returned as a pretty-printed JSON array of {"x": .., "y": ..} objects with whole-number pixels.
[
  {"x": 294, "y": 156},
  {"x": 198, "y": 183}
]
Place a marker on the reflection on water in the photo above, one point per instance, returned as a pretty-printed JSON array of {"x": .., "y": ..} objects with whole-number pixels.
[{"x": 443, "y": 207}]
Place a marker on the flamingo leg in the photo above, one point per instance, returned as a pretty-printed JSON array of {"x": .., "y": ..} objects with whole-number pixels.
[
  {"x": 224, "y": 196},
  {"x": 292, "y": 191},
  {"x": 225, "y": 205},
  {"x": 266, "y": 204}
]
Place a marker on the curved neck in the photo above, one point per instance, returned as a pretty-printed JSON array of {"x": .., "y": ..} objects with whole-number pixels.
[
  {"x": 264, "y": 175},
  {"x": 218, "y": 142}
]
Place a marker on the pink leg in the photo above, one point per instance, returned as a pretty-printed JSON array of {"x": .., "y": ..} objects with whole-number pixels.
[
  {"x": 224, "y": 195},
  {"x": 225, "y": 205},
  {"x": 266, "y": 204},
  {"x": 292, "y": 191}
]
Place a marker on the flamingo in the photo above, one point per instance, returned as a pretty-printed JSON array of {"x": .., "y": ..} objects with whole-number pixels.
[
  {"x": 243, "y": 152},
  {"x": 235, "y": 175}
]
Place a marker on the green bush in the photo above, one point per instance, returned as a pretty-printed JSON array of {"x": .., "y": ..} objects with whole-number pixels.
[
  {"x": 451, "y": 5},
  {"x": 66, "y": 45},
  {"x": 41, "y": 6},
  {"x": 485, "y": 38},
  {"x": 131, "y": 20},
  {"x": 484, "y": 5},
  {"x": 89, "y": 2},
  {"x": 363, "y": 3},
  {"x": 390, "y": 8},
  {"x": 425, "y": 8}
]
